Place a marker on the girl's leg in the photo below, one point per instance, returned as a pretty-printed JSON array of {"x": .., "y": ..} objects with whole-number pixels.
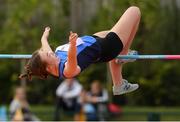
[
  {"x": 126, "y": 29},
  {"x": 126, "y": 24},
  {"x": 128, "y": 45},
  {"x": 117, "y": 68}
]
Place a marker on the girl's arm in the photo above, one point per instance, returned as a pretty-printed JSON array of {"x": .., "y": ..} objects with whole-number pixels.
[
  {"x": 44, "y": 40},
  {"x": 71, "y": 67}
]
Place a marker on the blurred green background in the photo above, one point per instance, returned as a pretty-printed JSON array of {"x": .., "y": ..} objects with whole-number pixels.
[{"x": 22, "y": 23}]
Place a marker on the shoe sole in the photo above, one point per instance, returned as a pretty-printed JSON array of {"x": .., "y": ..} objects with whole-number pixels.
[
  {"x": 124, "y": 62},
  {"x": 126, "y": 91}
]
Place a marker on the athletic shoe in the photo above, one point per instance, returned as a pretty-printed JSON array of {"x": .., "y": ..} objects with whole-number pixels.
[
  {"x": 122, "y": 61},
  {"x": 124, "y": 88}
]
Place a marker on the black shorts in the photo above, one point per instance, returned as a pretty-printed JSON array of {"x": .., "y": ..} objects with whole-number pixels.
[{"x": 111, "y": 46}]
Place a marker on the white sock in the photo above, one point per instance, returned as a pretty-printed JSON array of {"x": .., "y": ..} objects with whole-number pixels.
[{"x": 116, "y": 89}]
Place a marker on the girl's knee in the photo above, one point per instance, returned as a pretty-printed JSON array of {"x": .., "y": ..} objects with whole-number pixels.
[{"x": 134, "y": 10}]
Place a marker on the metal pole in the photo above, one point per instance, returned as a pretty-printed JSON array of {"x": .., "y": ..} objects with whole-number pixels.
[{"x": 164, "y": 57}]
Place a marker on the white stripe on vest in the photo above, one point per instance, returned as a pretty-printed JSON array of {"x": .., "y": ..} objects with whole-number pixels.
[{"x": 65, "y": 47}]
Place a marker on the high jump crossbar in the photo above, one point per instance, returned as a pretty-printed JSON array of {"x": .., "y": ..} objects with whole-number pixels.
[{"x": 164, "y": 57}]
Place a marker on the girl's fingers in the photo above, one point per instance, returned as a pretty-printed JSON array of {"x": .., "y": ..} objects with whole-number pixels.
[
  {"x": 47, "y": 29},
  {"x": 70, "y": 32},
  {"x": 73, "y": 36}
]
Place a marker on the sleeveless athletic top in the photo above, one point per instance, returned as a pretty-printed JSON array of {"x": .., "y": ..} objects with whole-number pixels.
[{"x": 88, "y": 52}]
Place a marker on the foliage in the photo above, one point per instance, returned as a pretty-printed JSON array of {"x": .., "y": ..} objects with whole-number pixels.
[{"x": 22, "y": 23}]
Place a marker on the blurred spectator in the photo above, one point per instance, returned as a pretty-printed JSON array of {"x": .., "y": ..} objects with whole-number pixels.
[
  {"x": 97, "y": 99},
  {"x": 3, "y": 114},
  {"x": 67, "y": 97},
  {"x": 19, "y": 107}
]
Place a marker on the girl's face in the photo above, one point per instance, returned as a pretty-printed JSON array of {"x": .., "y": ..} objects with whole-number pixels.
[
  {"x": 51, "y": 61},
  {"x": 48, "y": 57},
  {"x": 95, "y": 88},
  {"x": 20, "y": 94}
]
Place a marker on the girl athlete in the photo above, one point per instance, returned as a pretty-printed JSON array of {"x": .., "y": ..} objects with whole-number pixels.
[{"x": 71, "y": 59}]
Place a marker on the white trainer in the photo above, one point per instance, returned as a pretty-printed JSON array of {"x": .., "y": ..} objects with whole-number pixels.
[{"x": 126, "y": 87}]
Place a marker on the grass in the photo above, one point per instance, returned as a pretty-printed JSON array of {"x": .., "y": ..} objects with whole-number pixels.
[
  {"x": 129, "y": 113},
  {"x": 141, "y": 113},
  {"x": 43, "y": 112}
]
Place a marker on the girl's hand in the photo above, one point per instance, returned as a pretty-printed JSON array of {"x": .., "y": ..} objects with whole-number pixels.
[
  {"x": 45, "y": 35},
  {"x": 44, "y": 40},
  {"x": 73, "y": 37}
]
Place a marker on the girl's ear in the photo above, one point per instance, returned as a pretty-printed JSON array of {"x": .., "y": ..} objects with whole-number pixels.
[
  {"x": 48, "y": 68},
  {"x": 26, "y": 66},
  {"x": 22, "y": 76}
]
